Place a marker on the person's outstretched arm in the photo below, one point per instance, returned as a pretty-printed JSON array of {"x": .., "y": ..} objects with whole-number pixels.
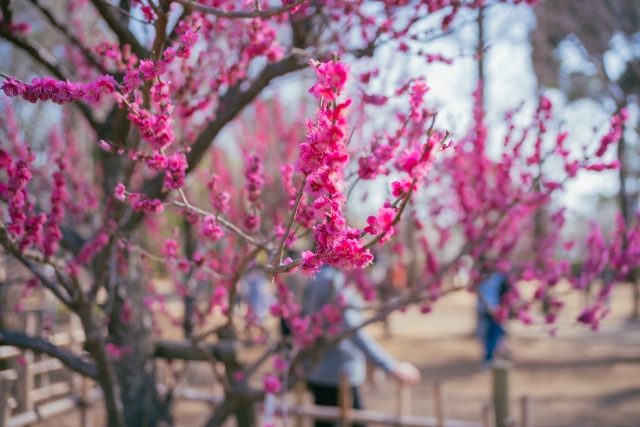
[{"x": 404, "y": 371}]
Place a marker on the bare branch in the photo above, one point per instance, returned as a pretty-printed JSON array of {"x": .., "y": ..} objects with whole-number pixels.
[
  {"x": 188, "y": 4},
  {"x": 186, "y": 350},
  {"x": 39, "y": 345},
  {"x": 227, "y": 224},
  {"x": 161, "y": 32},
  {"x": 231, "y": 103},
  {"x": 11, "y": 247},
  {"x": 294, "y": 213},
  {"x": 126, "y": 15},
  {"x": 7, "y": 14},
  {"x": 52, "y": 20},
  {"x": 124, "y": 34},
  {"x": 236, "y": 278},
  {"x": 270, "y": 351},
  {"x": 161, "y": 260},
  {"x": 235, "y": 100},
  {"x": 283, "y": 268}
]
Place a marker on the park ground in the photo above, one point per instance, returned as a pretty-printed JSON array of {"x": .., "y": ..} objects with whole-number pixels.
[{"x": 576, "y": 379}]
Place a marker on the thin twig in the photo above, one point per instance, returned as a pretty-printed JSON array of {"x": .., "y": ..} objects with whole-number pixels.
[
  {"x": 239, "y": 14},
  {"x": 161, "y": 260},
  {"x": 126, "y": 13},
  {"x": 224, "y": 222},
  {"x": 292, "y": 219},
  {"x": 405, "y": 200}
]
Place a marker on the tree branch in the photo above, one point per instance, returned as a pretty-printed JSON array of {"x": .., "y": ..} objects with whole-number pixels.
[
  {"x": 46, "y": 281},
  {"x": 186, "y": 350},
  {"x": 11, "y": 247},
  {"x": 7, "y": 14},
  {"x": 39, "y": 345},
  {"x": 406, "y": 199},
  {"x": 231, "y": 103},
  {"x": 40, "y": 54},
  {"x": 52, "y": 20},
  {"x": 188, "y": 4},
  {"x": 227, "y": 224},
  {"x": 124, "y": 34},
  {"x": 292, "y": 219}
]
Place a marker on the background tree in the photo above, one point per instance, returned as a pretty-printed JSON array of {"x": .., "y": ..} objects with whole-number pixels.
[{"x": 596, "y": 30}]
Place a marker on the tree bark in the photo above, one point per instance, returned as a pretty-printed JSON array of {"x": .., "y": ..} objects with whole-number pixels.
[
  {"x": 106, "y": 376},
  {"x": 136, "y": 369},
  {"x": 623, "y": 199}
]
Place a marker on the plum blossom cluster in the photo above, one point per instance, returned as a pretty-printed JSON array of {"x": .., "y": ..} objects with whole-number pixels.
[
  {"x": 272, "y": 384},
  {"x": 175, "y": 171},
  {"x": 219, "y": 197},
  {"x": 25, "y": 225},
  {"x": 142, "y": 202},
  {"x": 615, "y": 132},
  {"x": 382, "y": 224},
  {"x": 306, "y": 329},
  {"x": 155, "y": 129},
  {"x": 21, "y": 27},
  {"x": 116, "y": 351},
  {"x": 413, "y": 159},
  {"x": 88, "y": 251},
  {"x": 253, "y": 173},
  {"x": 210, "y": 229},
  {"x": 323, "y": 160},
  {"x": 52, "y": 233},
  {"x": 169, "y": 100},
  {"x": 609, "y": 260},
  {"x": 59, "y": 92}
]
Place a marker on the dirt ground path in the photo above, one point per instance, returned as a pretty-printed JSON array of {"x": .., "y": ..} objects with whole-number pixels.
[{"x": 576, "y": 379}]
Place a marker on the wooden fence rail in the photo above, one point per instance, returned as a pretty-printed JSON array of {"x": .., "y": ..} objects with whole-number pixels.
[
  {"x": 347, "y": 416},
  {"x": 25, "y": 407},
  {"x": 63, "y": 395}
]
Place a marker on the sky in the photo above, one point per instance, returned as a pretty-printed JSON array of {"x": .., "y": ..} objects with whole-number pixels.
[{"x": 510, "y": 82}]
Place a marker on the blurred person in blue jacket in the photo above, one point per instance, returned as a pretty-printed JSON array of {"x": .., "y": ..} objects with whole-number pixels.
[
  {"x": 349, "y": 357},
  {"x": 490, "y": 332},
  {"x": 257, "y": 294}
]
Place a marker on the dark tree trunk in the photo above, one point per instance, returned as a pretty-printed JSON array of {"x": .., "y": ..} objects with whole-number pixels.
[
  {"x": 190, "y": 281},
  {"x": 107, "y": 378},
  {"x": 245, "y": 416},
  {"x": 136, "y": 369},
  {"x": 623, "y": 199}
]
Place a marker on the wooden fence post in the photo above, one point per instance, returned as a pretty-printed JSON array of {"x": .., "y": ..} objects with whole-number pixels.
[
  {"x": 44, "y": 377},
  {"x": 501, "y": 392},
  {"x": 440, "y": 403},
  {"x": 488, "y": 416},
  {"x": 525, "y": 412},
  {"x": 25, "y": 368},
  {"x": 6, "y": 381},
  {"x": 371, "y": 371},
  {"x": 403, "y": 405},
  {"x": 345, "y": 400},
  {"x": 81, "y": 385},
  {"x": 300, "y": 400}
]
